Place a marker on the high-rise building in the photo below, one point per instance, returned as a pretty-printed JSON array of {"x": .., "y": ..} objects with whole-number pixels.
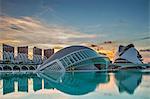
[
  {"x": 37, "y": 55},
  {"x": 8, "y": 48},
  {"x": 48, "y": 52},
  {"x": 23, "y": 49},
  {"x": 8, "y": 53},
  {"x": 22, "y": 56},
  {"x": 37, "y": 51}
]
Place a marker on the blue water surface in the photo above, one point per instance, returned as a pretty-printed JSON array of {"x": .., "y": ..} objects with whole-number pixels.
[{"x": 76, "y": 85}]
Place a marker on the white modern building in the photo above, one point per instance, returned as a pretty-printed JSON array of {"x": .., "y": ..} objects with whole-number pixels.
[
  {"x": 75, "y": 58},
  {"x": 128, "y": 54}
]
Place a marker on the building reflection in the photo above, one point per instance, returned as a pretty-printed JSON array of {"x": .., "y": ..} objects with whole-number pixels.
[
  {"x": 23, "y": 84},
  {"x": 47, "y": 85},
  {"x": 71, "y": 83},
  {"x": 128, "y": 81},
  {"x": 7, "y": 83},
  {"x": 78, "y": 83},
  {"x": 37, "y": 83}
]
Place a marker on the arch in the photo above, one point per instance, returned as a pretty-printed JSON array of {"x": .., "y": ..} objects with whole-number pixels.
[
  {"x": 7, "y": 68},
  {"x": 31, "y": 68},
  {"x": 24, "y": 68},
  {"x": 16, "y": 68}
]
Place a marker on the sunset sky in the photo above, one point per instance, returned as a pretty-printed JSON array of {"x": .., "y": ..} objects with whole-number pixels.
[{"x": 59, "y": 23}]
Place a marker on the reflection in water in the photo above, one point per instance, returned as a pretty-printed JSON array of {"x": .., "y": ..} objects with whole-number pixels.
[
  {"x": 78, "y": 83},
  {"x": 70, "y": 83},
  {"x": 22, "y": 84},
  {"x": 75, "y": 83},
  {"x": 47, "y": 85},
  {"x": 8, "y": 85},
  {"x": 37, "y": 83},
  {"x": 128, "y": 81}
]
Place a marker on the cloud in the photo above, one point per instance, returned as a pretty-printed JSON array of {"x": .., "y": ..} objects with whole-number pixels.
[
  {"x": 144, "y": 38},
  {"x": 29, "y": 30}
]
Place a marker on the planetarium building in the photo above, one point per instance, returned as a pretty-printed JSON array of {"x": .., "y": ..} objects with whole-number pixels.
[{"x": 75, "y": 58}]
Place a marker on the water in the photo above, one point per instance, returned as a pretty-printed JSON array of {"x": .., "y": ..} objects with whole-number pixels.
[{"x": 77, "y": 85}]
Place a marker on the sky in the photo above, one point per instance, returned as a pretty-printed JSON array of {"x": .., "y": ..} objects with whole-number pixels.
[{"x": 59, "y": 23}]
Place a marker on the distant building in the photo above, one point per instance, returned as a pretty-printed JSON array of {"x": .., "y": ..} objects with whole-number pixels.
[
  {"x": 37, "y": 55},
  {"x": 8, "y": 53},
  {"x": 22, "y": 56},
  {"x": 23, "y": 50},
  {"x": 48, "y": 52},
  {"x": 37, "y": 51},
  {"x": 8, "y": 48}
]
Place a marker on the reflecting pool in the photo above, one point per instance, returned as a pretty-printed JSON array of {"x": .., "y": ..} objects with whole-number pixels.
[{"x": 80, "y": 85}]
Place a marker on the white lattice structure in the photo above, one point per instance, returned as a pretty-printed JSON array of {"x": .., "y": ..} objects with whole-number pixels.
[
  {"x": 23, "y": 58},
  {"x": 37, "y": 59},
  {"x": 8, "y": 56},
  {"x": 72, "y": 57}
]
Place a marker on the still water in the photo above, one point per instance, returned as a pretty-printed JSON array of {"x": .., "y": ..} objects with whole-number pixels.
[{"x": 77, "y": 85}]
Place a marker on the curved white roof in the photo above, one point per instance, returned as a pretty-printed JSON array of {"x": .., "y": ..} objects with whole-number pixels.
[
  {"x": 69, "y": 56},
  {"x": 66, "y": 51},
  {"x": 128, "y": 53}
]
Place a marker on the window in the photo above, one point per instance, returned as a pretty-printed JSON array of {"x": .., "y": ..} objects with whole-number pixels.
[
  {"x": 67, "y": 61},
  {"x": 70, "y": 58},
  {"x": 80, "y": 55},
  {"x": 74, "y": 57},
  {"x": 62, "y": 61},
  {"x": 85, "y": 56},
  {"x": 86, "y": 53},
  {"x": 77, "y": 56}
]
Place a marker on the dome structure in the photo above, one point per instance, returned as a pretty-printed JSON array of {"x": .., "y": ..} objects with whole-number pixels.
[{"x": 75, "y": 57}]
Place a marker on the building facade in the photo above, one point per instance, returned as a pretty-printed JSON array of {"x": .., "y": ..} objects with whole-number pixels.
[
  {"x": 23, "y": 49},
  {"x": 8, "y": 53},
  {"x": 48, "y": 53},
  {"x": 37, "y": 55},
  {"x": 22, "y": 56}
]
